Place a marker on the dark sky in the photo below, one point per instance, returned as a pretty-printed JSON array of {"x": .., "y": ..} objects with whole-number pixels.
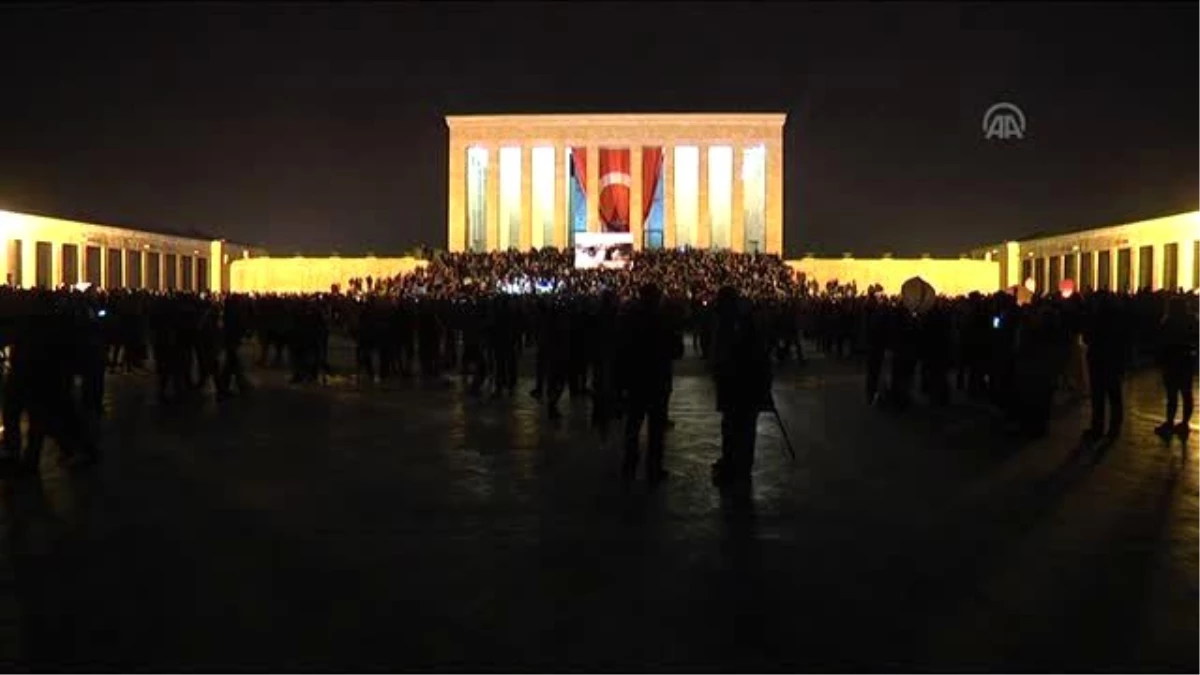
[{"x": 319, "y": 127}]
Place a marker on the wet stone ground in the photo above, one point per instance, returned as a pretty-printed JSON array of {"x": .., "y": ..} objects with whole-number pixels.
[{"x": 402, "y": 526}]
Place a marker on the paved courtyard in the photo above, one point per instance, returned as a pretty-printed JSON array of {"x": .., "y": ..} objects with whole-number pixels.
[{"x": 408, "y": 527}]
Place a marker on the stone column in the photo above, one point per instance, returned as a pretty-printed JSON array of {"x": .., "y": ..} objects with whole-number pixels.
[
  {"x": 526, "y": 236},
  {"x": 492, "y": 205},
  {"x": 103, "y": 266},
  {"x": 1186, "y": 258},
  {"x": 456, "y": 197},
  {"x": 636, "y": 215},
  {"x": 774, "y": 224},
  {"x": 560, "y": 196},
  {"x": 1114, "y": 268},
  {"x": 668, "y": 162},
  {"x": 1135, "y": 267},
  {"x": 703, "y": 215},
  {"x": 56, "y": 266},
  {"x": 162, "y": 271},
  {"x": 81, "y": 261},
  {"x": 1012, "y": 265},
  {"x": 737, "y": 223},
  {"x": 1158, "y": 266},
  {"x": 593, "y": 188},
  {"x": 216, "y": 267},
  {"x": 29, "y": 263}
]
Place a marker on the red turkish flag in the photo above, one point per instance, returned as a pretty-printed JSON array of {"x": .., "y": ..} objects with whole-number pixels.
[
  {"x": 651, "y": 168},
  {"x": 615, "y": 180}
]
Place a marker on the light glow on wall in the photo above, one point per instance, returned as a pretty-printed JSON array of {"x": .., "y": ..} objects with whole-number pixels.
[
  {"x": 687, "y": 194},
  {"x": 510, "y": 197},
  {"x": 720, "y": 195},
  {"x": 542, "y": 189}
]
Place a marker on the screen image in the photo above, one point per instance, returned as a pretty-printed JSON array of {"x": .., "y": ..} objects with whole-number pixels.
[{"x": 608, "y": 250}]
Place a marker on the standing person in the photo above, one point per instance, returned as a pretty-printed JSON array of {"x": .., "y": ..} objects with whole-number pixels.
[
  {"x": 604, "y": 364},
  {"x": 878, "y": 316},
  {"x": 649, "y": 345},
  {"x": 742, "y": 372},
  {"x": 1108, "y": 349},
  {"x": 233, "y": 330},
  {"x": 1177, "y": 362}
]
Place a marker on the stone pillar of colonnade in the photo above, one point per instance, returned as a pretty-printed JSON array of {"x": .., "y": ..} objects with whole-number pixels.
[
  {"x": 103, "y": 266},
  {"x": 216, "y": 264},
  {"x": 737, "y": 224},
  {"x": 456, "y": 232},
  {"x": 56, "y": 266},
  {"x": 1114, "y": 257},
  {"x": 1186, "y": 258},
  {"x": 560, "y": 196},
  {"x": 29, "y": 263},
  {"x": 636, "y": 214},
  {"x": 492, "y": 203},
  {"x": 593, "y": 188},
  {"x": 774, "y": 179},
  {"x": 526, "y": 235},
  {"x": 668, "y": 212},
  {"x": 703, "y": 215},
  {"x": 1157, "y": 265},
  {"x": 1135, "y": 267}
]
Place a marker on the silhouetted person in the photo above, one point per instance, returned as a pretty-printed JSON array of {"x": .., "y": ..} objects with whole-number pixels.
[
  {"x": 878, "y": 322},
  {"x": 233, "y": 331},
  {"x": 1108, "y": 347},
  {"x": 649, "y": 345},
  {"x": 1177, "y": 363},
  {"x": 742, "y": 371}
]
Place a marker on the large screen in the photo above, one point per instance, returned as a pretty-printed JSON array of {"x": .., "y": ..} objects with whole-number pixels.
[{"x": 609, "y": 250}]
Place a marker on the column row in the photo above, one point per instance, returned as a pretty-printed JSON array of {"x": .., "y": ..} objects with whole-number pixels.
[
  {"x": 703, "y": 196},
  {"x": 1155, "y": 267},
  {"x": 44, "y": 264}
]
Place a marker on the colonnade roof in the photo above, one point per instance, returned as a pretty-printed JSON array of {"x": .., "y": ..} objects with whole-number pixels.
[
  {"x": 190, "y": 234},
  {"x": 1036, "y": 236},
  {"x": 619, "y": 119}
]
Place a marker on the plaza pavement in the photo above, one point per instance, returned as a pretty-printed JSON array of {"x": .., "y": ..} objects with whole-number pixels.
[{"x": 401, "y": 526}]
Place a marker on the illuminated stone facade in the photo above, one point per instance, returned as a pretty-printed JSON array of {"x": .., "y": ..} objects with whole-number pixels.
[
  {"x": 49, "y": 252},
  {"x": 948, "y": 276},
  {"x": 1153, "y": 254},
  {"x": 312, "y": 275},
  {"x": 531, "y": 181}
]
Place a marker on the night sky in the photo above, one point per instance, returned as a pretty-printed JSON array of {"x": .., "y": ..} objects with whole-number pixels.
[{"x": 320, "y": 127}]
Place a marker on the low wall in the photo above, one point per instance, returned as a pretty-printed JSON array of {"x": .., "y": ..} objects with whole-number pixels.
[
  {"x": 948, "y": 277},
  {"x": 311, "y": 275}
]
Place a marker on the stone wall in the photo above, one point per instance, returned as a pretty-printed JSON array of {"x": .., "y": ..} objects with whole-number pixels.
[
  {"x": 948, "y": 277},
  {"x": 310, "y": 275}
]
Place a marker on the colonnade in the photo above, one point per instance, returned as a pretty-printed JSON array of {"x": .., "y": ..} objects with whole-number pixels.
[{"x": 721, "y": 177}]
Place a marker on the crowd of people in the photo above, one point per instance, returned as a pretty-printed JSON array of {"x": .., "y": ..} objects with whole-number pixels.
[{"x": 607, "y": 336}]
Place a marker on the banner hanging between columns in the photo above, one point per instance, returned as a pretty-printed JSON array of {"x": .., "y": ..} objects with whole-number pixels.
[
  {"x": 651, "y": 168},
  {"x": 615, "y": 180}
]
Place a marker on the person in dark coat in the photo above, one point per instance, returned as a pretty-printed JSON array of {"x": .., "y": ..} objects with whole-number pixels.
[
  {"x": 649, "y": 345},
  {"x": 1177, "y": 363},
  {"x": 1108, "y": 351},
  {"x": 742, "y": 372}
]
